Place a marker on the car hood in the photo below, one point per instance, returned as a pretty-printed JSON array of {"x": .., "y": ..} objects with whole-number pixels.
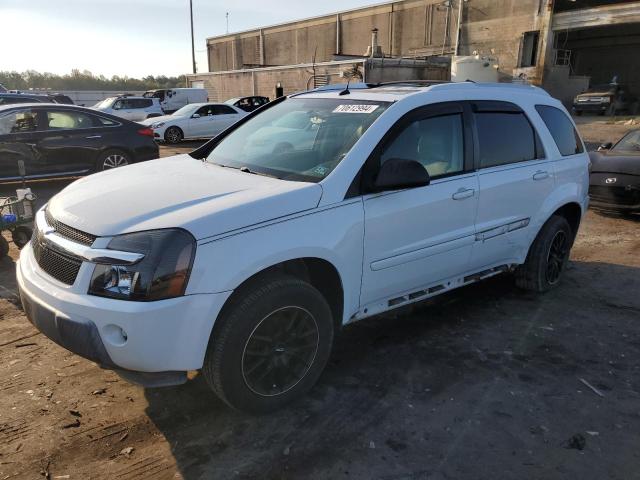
[
  {"x": 613, "y": 162},
  {"x": 163, "y": 118},
  {"x": 595, "y": 94},
  {"x": 179, "y": 191}
]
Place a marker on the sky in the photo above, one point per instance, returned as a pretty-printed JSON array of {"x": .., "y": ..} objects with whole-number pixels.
[{"x": 133, "y": 38}]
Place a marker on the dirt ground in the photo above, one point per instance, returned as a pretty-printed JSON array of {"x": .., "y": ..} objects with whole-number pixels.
[{"x": 486, "y": 382}]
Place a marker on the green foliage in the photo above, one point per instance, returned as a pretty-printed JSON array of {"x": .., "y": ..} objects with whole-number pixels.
[{"x": 85, "y": 80}]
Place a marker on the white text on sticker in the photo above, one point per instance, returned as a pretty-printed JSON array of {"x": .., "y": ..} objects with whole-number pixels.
[{"x": 355, "y": 108}]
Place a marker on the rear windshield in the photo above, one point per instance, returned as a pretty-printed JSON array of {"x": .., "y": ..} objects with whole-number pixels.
[{"x": 299, "y": 139}]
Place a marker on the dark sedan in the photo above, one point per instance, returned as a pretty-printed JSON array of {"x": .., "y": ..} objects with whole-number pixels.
[
  {"x": 615, "y": 175},
  {"x": 57, "y": 140},
  {"x": 11, "y": 98}
]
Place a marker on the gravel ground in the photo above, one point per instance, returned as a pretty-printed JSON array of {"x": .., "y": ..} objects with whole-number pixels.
[{"x": 482, "y": 383}]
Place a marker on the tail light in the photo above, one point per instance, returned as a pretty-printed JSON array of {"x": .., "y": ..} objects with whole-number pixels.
[{"x": 147, "y": 132}]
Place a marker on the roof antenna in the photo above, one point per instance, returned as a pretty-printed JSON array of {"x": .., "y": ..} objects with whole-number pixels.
[{"x": 346, "y": 89}]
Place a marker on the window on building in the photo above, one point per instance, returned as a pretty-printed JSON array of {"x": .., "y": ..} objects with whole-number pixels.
[
  {"x": 506, "y": 137},
  {"x": 561, "y": 129},
  {"x": 529, "y": 49}
]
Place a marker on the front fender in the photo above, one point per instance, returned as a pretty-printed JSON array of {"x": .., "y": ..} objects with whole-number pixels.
[{"x": 334, "y": 234}]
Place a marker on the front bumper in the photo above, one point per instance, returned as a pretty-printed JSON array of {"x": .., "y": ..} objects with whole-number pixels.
[
  {"x": 152, "y": 343},
  {"x": 590, "y": 107},
  {"x": 622, "y": 193}
]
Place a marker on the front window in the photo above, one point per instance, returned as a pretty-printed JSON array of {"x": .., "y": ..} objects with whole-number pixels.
[
  {"x": 185, "y": 111},
  {"x": 629, "y": 143},
  {"x": 299, "y": 139}
]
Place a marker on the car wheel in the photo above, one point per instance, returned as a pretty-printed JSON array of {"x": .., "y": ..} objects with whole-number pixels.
[
  {"x": 21, "y": 236},
  {"x": 112, "y": 159},
  {"x": 270, "y": 345},
  {"x": 547, "y": 258},
  {"x": 4, "y": 246},
  {"x": 173, "y": 135}
]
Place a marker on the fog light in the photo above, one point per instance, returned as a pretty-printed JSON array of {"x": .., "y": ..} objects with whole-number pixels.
[{"x": 115, "y": 335}]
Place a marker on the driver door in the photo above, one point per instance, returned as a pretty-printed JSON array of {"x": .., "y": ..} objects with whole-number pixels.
[{"x": 420, "y": 237}]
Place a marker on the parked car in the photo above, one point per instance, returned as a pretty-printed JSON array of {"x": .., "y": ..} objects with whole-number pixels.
[
  {"x": 63, "y": 140},
  {"x": 196, "y": 120},
  {"x": 246, "y": 265},
  {"x": 12, "y": 98},
  {"x": 130, "y": 107},
  {"x": 248, "y": 104},
  {"x": 607, "y": 99},
  {"x": 173, "y": 99},
  {"x": 615, "y": 175}
]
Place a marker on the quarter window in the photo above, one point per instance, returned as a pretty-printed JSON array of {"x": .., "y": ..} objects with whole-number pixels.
[
  {"x": 436, "y": 142},
  {"x": 506, "y": 137},
  {"x": 561, "y": 129}
]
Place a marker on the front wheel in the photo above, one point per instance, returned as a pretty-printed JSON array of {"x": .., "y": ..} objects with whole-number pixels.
[
  {"x": 173, "y": 135},
  {"x": 547, "y": 257},
  {"x": 270, "y": 345}
]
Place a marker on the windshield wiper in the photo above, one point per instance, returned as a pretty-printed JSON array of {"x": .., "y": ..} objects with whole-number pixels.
[{"x": 245, "y": 169}]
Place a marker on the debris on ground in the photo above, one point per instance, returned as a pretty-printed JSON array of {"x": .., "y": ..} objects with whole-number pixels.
[
  {"x": 99, "y": 391},
  {"x": 127, "y": 451},
  {"x": 577, "y": 442},
  {"x": 74, "y": 424},
  {"x": 593, "y": 389},
  {"x": 75, "y": 413}
]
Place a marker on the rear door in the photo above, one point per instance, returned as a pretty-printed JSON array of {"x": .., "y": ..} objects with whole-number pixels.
[
  {"x": 515, "y": 177},
  {"x": 419, "y": 237}
]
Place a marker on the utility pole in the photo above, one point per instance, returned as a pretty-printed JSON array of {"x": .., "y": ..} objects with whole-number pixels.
[
  {"x": 227, "y": 15},
  {"x": 193, "y": 48},
  {"x": 459, "y": 28}
]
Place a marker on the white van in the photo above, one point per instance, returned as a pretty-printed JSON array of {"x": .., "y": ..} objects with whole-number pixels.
[{"x": 172, "y": 99}]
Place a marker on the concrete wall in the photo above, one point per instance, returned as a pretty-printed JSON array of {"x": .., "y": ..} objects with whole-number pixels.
[
  {"x": 409, "y": 28},
  {"x": 405, "y": 28},
  {"x": 224, "y": 85}
]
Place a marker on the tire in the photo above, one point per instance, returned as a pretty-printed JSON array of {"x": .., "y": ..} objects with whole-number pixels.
[
  {"x": 112, "y": 159},
  {"x": 547, "y": 257},
  {"x": 4, "y": 247},
  {"x": 270, "y": 344},
  {"x": 173, "y": 135},
  {"x": 21, "y": 236}
]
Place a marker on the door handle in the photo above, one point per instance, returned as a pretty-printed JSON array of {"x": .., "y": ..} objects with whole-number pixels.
[
  {"x": 94, "y": 136},
  {"x": 540, "y": 175},
  {"x": 463, "y": 193}
]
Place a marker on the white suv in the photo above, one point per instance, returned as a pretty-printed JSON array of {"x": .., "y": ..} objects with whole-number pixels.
[
  {"x": 245, "y": 262},
  {"x": 132, "y": 108}
]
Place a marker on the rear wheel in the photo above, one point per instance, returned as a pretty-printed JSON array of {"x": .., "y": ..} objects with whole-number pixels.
[
  {"x": 270, "y": 345},
  {"x": 547, "y": 257},
  {"x": 112, "y": 159},
  {"x": 21, "y": 236},
  {"x": 173, "y": 135}
]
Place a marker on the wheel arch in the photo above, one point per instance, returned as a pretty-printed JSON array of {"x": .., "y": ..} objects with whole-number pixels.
[{"x": 318, "y": 272}]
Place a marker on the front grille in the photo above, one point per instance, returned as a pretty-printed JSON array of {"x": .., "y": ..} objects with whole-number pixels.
[
  {"x": 68, "y": 232},
  {"x": 615, "y": 195}
]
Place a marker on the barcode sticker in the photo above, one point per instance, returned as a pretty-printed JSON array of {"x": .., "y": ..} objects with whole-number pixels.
[{"x": 355, "y": 108}]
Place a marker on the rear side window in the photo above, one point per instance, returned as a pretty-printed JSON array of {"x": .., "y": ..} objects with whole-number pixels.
[
  {"x": 222, "y": 110},
  {"x": 561, "y": 129},
  {"x": 506, "y": 137}
]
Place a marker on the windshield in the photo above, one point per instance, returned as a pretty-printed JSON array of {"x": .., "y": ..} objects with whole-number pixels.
[
  {"x": 186, "y": 111},
  {"x": 106, "y": 103},
  {"x": 298, "y": 139},
  {"x": 629, "y": 143}
]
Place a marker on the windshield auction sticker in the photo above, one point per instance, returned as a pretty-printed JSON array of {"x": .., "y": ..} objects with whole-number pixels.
[{"x": 355, "y": 108}]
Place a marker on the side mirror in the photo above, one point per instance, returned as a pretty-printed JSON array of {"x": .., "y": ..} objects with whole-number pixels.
[
  {"x": 605, "y": 146},
  {"x": 195, "y": 115},
  {"x": 400, "y": 173}
]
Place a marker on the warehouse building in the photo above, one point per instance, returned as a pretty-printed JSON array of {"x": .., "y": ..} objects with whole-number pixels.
[{"x": 561, "y": 45}]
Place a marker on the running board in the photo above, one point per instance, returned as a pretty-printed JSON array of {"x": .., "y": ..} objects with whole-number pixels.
[{"x": 429, "y": 292}]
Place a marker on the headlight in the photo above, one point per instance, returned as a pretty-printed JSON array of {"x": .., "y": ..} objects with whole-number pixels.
[
  {"x": 157, "y": 125},
  {"x": 162, "y": 273},
  {"x": 605, "y": 99}
]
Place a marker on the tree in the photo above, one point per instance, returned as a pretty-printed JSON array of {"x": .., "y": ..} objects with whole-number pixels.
[{"x": 85, "y": 80}]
